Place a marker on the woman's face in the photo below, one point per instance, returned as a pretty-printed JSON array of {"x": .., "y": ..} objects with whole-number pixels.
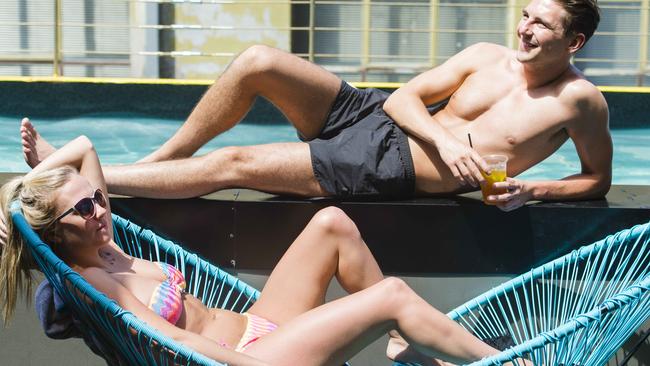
[{"x": 74, "y": 230}]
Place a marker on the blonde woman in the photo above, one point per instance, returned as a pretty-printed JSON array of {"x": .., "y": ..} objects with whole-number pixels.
[{"x": 63, "y": 198}]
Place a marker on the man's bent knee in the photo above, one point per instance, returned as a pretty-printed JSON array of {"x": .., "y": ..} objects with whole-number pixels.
[{"x": 258, "y": 59}]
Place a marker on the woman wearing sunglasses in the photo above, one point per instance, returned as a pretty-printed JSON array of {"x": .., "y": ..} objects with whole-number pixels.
[{"x": 63, "y": 199}]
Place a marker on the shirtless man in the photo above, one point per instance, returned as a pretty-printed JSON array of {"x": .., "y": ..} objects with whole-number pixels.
[{"x": 522, "y": 103}]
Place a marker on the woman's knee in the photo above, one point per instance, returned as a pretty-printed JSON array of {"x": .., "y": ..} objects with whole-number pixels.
[
  {"x": 395, "y": 285},
  {"x": 334, "y": 221},
  {"x": 395, "y": 291}
]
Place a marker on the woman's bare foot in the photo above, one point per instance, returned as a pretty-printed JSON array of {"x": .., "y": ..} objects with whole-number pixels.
[
  {"x": 35, "y": 147},
  {"x": 399, "y": 350}
]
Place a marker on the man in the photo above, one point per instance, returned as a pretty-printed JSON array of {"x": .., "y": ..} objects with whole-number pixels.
[{"x": 524, "y": 104}]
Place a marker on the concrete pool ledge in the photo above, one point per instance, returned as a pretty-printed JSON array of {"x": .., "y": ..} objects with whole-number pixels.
[{"x": 244, "y": 230}]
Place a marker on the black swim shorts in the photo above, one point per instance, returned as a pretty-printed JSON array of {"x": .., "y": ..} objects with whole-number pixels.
[{"x": 361, "y": 151}]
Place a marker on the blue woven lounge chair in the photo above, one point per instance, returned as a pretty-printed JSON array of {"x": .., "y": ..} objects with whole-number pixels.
[{"x": 576, "y": 310}]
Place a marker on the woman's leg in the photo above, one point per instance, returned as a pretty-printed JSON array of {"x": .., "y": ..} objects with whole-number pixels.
[
  {"x": 332, "y": 333},
  {"x": 330, "y": 245}
]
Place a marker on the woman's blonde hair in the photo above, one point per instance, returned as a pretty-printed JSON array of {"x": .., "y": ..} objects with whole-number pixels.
[{"x": 36, "y": 195}]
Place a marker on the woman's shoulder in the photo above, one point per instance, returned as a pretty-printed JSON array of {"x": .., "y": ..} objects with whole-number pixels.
[{"x": 95, "y": 274}]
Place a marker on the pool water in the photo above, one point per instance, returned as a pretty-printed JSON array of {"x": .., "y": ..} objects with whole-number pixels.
[
  {"x": 126, "y": 138},
  {"x": 630, "y": 165}
]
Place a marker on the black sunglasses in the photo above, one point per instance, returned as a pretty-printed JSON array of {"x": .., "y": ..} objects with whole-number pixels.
[{"x": 86, "y": 206}]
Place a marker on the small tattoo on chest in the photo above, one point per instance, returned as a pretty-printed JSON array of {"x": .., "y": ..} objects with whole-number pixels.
[{"x": 107, "y": 256}]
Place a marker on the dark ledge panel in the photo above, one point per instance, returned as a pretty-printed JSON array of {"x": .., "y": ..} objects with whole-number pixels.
[{"x": 248, "y": 230}]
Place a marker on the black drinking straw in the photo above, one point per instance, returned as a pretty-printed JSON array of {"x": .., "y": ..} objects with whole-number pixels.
[{"x": 469, "y": 137}]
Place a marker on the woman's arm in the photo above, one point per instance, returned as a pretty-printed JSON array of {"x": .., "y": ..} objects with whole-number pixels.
[
  {"x": 80, "y": 154},
  {"x": 103, "y": 282}
]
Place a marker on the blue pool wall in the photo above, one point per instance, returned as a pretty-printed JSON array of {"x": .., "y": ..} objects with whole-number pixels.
[
  {"x": 50, "y": 99},
  {"x": 67, "y": 99}
]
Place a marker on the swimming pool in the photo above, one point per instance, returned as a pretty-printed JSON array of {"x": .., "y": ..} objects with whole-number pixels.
[{"x": 126, "y": 138}]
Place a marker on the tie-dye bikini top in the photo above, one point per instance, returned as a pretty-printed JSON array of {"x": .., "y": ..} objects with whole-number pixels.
[{"x": 167, "y": 300}]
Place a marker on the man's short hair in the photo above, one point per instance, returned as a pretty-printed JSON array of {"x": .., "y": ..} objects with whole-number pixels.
[{"x": 584, "y": 17}]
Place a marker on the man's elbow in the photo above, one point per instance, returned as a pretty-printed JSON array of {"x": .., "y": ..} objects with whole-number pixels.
[
  {"x": 388, "y": 104},
  {"x": 604, "y": 188},
  {"x": 393, "y": 101},
  {"x": 600, "y": 187}
]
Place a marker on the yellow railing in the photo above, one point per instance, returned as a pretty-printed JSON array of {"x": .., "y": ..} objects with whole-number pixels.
[{"x": 360, "y": 61}]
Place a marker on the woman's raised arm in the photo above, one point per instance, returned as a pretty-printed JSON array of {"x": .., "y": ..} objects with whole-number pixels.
[{"x": 80, "y": 154}]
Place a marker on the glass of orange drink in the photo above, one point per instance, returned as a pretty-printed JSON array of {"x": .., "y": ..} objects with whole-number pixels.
[{"x": 497, "y": 166}]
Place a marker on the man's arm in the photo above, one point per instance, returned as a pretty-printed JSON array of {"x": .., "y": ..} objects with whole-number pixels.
[
  {"x": 590, "y": 134},
  {"x": 407, "y": 106},
  {"x": 594, "y": 146}
]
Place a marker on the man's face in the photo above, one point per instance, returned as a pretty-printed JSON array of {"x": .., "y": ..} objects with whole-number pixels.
[{"x": 541, "y": 33}]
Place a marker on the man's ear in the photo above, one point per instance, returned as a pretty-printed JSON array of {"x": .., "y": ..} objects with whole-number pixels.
[{"x": 578, "y": 41}]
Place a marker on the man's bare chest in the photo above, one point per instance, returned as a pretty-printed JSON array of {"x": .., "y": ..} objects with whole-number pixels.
[{"x": 505, "y": 109}]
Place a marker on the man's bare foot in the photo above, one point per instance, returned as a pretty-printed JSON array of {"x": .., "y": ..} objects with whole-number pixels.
[
  {"x": 399, "y": 350},
  {"x": 35, "y": 147}
]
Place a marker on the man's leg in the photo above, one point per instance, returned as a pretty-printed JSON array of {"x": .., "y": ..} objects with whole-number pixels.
[
  {"x": 303, "y": 91},
  {"x": 276, "y": 168}
]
